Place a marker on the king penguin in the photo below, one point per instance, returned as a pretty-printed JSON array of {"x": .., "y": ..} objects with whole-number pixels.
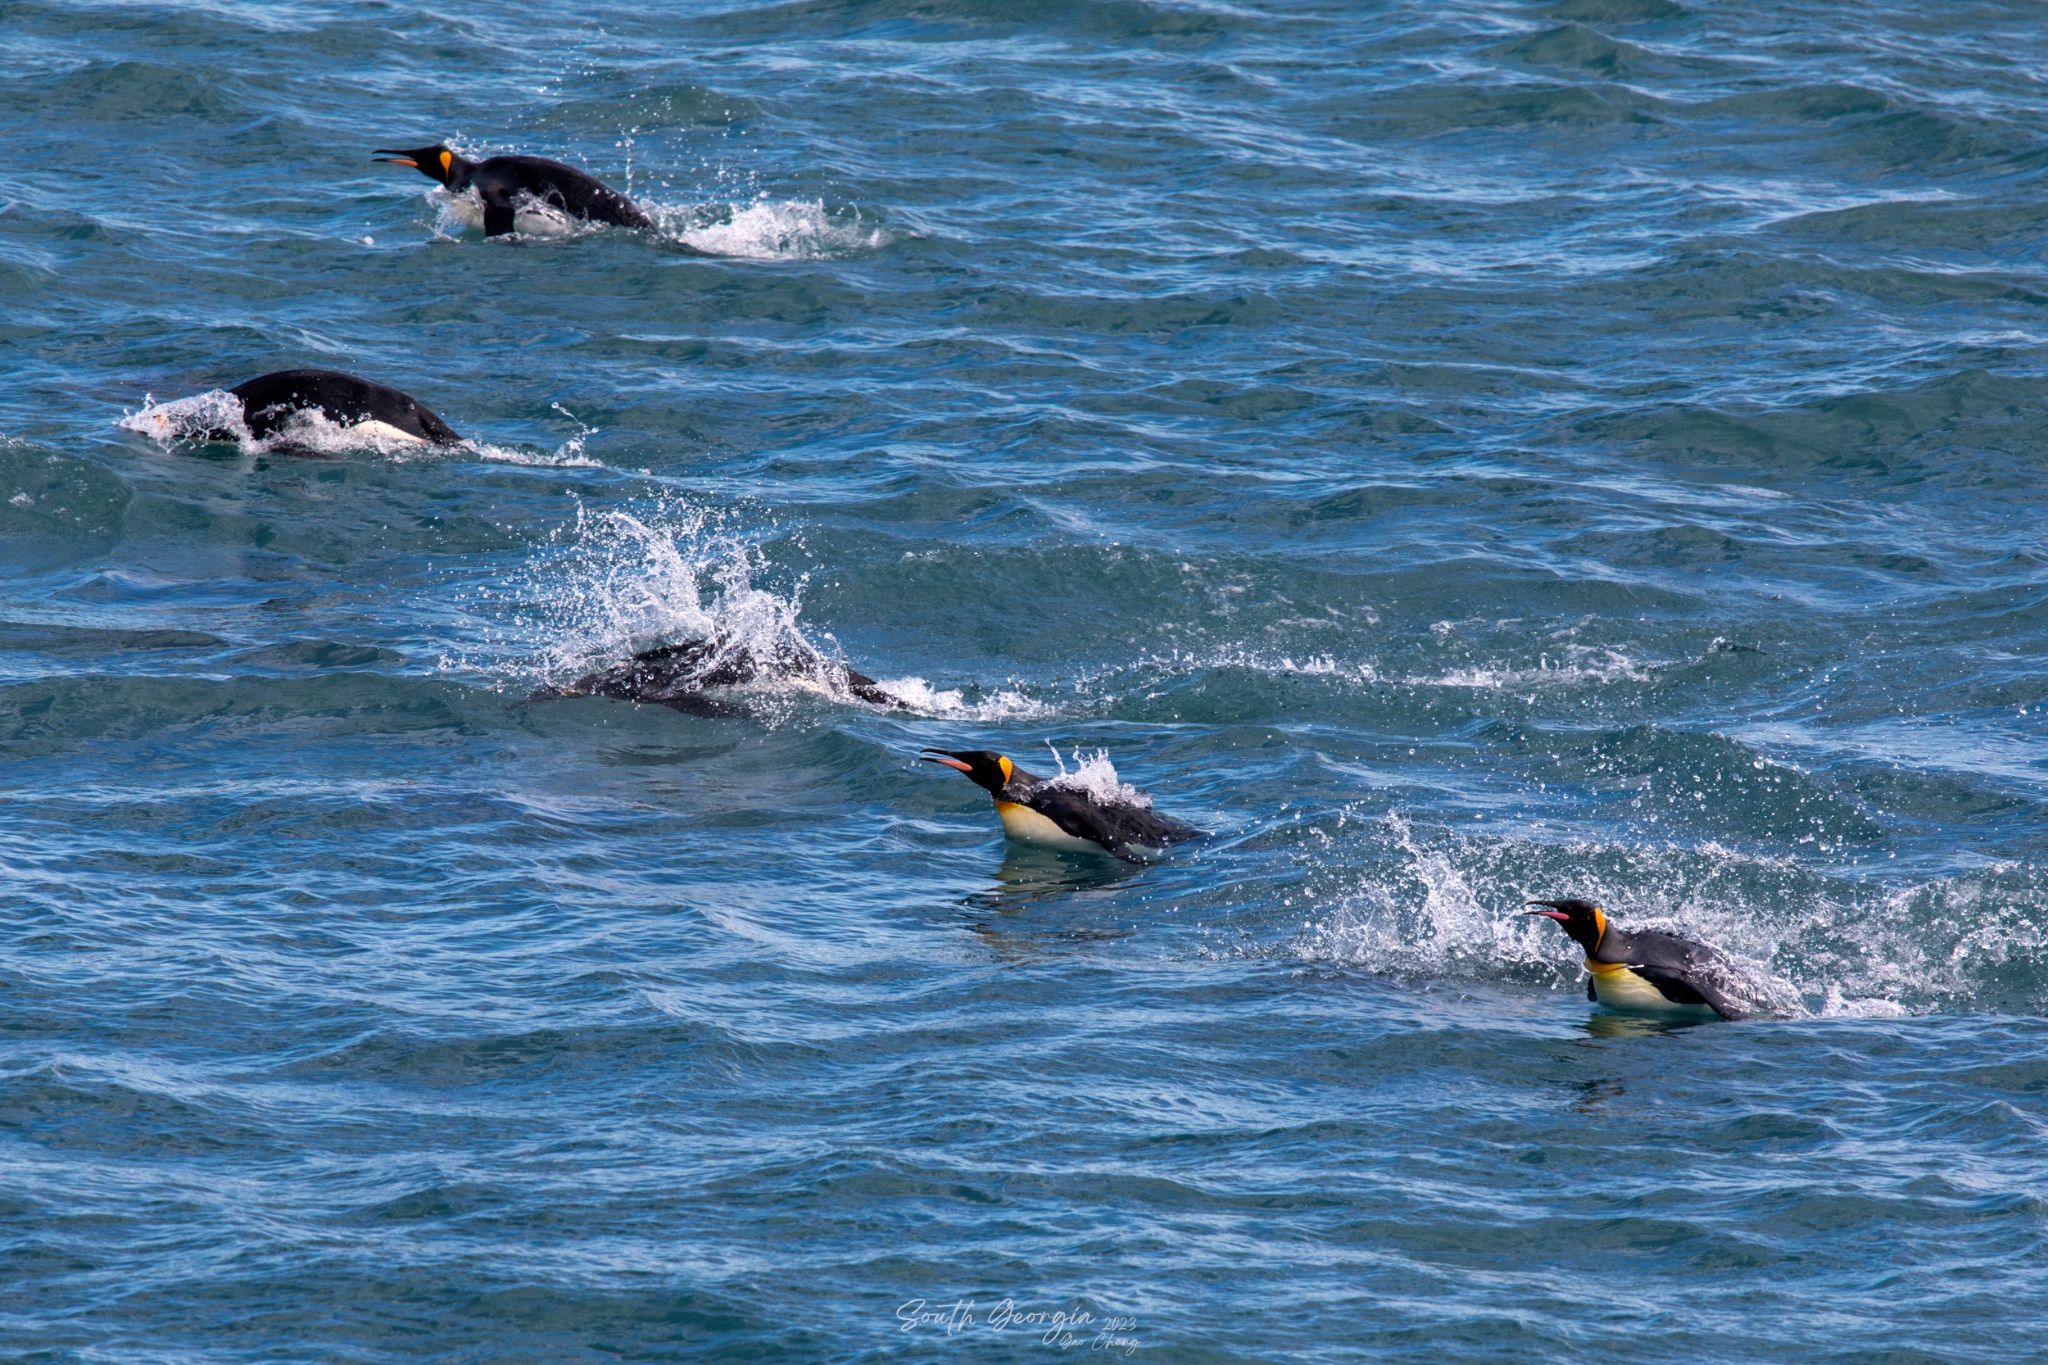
[
  {"x": 271, "y": 401},
  {"x": 689, "y": 677},
  {"x": 510, "y": 187},
  {"x": 1036, "y": 811},
  {"x": 1643, "y": 971}
]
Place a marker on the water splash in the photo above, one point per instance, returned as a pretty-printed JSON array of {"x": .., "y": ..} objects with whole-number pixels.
[
  {"x": 1096, "y": 777},
  {"x": 197, "y": 418},
  {"x": 761, "y": 229},
  {"x": 1799, "y": 943},
  {"x": 455, "y": 214},
  {"x": 766, "y": 229},
  {"x": 569, "y": 455},
  {"x": 617, "y": 582},
  {"x": 1424, "y": 923},
  {"x": 1581, "y": 665},
  {"x": 217, "y": 415},
  {"x": 952, "y": 704}
]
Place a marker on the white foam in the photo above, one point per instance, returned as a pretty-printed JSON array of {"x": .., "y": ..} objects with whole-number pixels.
[
  {"x": 761, "y": 228},
  {"x": 184, "y": 419},
  {"x": 767, "y": 229},
  {"x": 1835, "y": 1005},
  {"x": 952, "y": 704},
  {"x": 569, "y": 455},
  {"x": 1571, "y": 667},
  {"x": 1579, "y": 665}
]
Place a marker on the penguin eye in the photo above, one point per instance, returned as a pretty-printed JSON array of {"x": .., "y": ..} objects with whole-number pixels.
[{"x": 447, "y": 159}]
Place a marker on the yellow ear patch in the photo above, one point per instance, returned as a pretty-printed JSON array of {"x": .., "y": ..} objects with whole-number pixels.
[
  {"x": 1007, "y": 767},
  {"x": 1600, "y": 923},
  {"x": 447, "y": 160}
]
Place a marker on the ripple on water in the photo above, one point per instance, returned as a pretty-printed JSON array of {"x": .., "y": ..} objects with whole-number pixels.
[{"x": 1454, "y": 455}]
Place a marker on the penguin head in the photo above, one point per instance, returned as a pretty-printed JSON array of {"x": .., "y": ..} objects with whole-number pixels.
[
  {"x": 435, "y": 162},
  {"x": 1583, "y": 920},
  {"x": 989, "y": 770}
]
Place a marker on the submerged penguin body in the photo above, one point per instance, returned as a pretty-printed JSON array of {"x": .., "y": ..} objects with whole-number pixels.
[
  {"x": 689, "y": 677},
  {"x": 522, "y": 193}
]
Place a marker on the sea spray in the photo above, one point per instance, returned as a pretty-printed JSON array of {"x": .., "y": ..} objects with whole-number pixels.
[
  {"x": 1096, "y": 777},
  {"x": 614, "y": 581}
]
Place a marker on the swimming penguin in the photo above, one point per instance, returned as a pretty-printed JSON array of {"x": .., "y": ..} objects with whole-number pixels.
[
  {"x": 267, "y": 408},
  {"x": 270, "y": 401},
  {"x": 511, "y": 186},
  {"x": 1644, "y": 972},
  {"x": 1037, "y": 811},
  {"x": 684, "y": 676}
]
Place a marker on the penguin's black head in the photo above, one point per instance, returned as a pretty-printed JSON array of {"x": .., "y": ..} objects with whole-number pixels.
[
  {"x": 1583, "y": 920},
  {"x": 990, "y": 770},
  {"x": 435, "y": 162}
]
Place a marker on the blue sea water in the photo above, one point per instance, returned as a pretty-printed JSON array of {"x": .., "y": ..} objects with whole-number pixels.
[{"x": 1455, "y": 452}]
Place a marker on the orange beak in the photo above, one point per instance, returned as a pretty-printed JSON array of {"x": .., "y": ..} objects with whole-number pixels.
[{"x": 936, "y": 756}]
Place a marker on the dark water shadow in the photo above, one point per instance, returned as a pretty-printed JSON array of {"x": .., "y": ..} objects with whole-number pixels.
[
  {"x": 1029, "y": 876},
  {"x": 1074, "y": 895},
  {"x": 1601, "y": 1024}
]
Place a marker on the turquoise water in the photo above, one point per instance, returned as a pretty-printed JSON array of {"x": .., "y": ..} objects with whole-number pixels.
[{"x": 1456, "y": 453}]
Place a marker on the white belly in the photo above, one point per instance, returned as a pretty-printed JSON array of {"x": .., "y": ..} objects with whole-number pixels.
[
  {"x": 1027, "y": 826},
  {"x": 1622, "y": 990},
  {"x": 383, "y": 431}
]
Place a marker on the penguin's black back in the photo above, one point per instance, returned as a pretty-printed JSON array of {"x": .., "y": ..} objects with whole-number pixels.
[
  {"x": 270, "y": 400},
  {"x": 500, "y": 180},
  {"x": 679, "y": 675}
]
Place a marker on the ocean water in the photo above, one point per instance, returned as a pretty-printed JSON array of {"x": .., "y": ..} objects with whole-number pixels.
[{"x": 1453, "y": 452}]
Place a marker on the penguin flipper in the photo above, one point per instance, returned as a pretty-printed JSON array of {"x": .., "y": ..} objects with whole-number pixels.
[
  {"x": 1688, "y": 990},
  {"x": 497, "y": 219}
]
